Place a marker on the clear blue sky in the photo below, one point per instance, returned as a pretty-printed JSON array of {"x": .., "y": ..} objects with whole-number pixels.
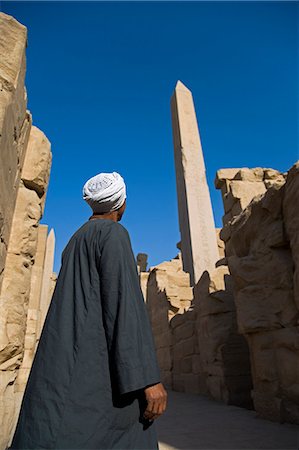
[{"x": 99, "y": 80}]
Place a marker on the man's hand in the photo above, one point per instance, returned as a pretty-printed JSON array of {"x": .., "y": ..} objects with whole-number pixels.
[{"x": 156, "y": 398}]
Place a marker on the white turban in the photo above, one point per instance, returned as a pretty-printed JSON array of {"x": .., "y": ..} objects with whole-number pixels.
[{"x": 105, "y": 192}]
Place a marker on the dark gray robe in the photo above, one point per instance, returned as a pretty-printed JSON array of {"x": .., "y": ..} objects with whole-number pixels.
[{"x": 96, "y": 352}]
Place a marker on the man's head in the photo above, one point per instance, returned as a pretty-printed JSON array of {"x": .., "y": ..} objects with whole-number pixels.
[{"x": 106, "y": 194}]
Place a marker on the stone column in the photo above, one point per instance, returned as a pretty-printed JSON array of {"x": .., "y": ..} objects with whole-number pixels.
[
  {"x": 47, "y": 288},
  {"x": 33, "y": 311},
  {"x": 141, "y": 262},
  {"x": 198, "y": 237}
]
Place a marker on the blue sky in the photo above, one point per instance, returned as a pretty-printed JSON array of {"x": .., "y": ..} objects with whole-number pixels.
[{"x": 99, "y": 81}]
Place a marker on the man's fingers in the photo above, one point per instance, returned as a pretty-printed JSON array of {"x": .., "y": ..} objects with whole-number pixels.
[
  {"x": 149, "y": 412},
  {"x": 155, "y": 409},
  {"x": 162, "y": 408},
  {"x": 156, "y": 397}
]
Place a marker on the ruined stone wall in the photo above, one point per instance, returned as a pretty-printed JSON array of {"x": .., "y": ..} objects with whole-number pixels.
[
  {"x": 25, "y": 161},
  {"x": 238, "y": 187},
  {"x": 15, "y": 122},
  {"x": 224, "y": 352},
  {"x": 198, "y": 346},
  {"x": 168, "y": 293},
  {"x": 238, "y": 341},
  {"x": 262, "y": 256}
]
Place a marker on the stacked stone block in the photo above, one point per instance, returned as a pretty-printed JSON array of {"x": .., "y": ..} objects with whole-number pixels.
[
  {"x": 15, "y": 122},
  {"x": 141, "y": 261},
  {"x": 25, "y": 161},
  {"x": 263, "y": 262},
  {"x": 187, "y": 374},
  {"x": 168, "y": 294},
  {"x": 239, "y": 186},
  {"x": 224, "y": 354}
]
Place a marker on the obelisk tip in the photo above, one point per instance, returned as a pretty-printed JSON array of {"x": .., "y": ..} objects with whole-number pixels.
[{"x": 181, "y": 87}]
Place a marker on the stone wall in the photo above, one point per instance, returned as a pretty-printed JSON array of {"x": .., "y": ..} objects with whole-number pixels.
[
  {"x": 25, "y": 161},
  {"x": 15, "y": 122},
  {"x": 262, "y": 257},
  {"x": 168, "y": 293},
  {"x": 224, "y": 352},
  {"x": 238, "y": 340},
  {"x": 199, "y": 348},
  {"x": 238, "y": 187}
]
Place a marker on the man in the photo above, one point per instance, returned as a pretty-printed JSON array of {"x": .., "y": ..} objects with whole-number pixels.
[{"x": 94, "y": 382}]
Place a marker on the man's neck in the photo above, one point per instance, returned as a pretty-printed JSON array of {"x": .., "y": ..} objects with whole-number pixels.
[{"x": 111, "y": 215}]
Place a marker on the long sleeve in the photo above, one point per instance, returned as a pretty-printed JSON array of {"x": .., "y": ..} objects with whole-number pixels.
[{"x": 132, "y": 355}]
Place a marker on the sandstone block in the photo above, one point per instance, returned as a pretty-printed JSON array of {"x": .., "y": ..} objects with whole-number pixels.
[
  {"x": 164, "y": 356},
  {"x": 184, "y": 348},
  {"x": 217, "y": 389},
  {"x": 225, "y": 234},
  {"x": 246, "y": 191},
  {"x": 272, "y": 174},
  {"x": 291, "y": 222},
  {"x": 15, "y": 123},
  {"x": 196, "y": 364},
  {"x": 143, "y": 278},
  {"x": 261, "y": 308},
  {"x": 228, "y": 202},
  {"x": 227, "y": 218},
  {"x": 184, "y": 331},
  {"x": 142, "y": 262},
  {"x": 37, "y": 164},
  {"x": 7, "y": 404},
  {"x": 224, "y": 174},
  {"x": 186, "y": 364},
  {"x": 237, "y": 208},
  {"x": 252, "y": 175}
]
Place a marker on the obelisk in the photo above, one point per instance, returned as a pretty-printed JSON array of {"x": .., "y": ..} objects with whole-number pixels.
[{"x": 198, "y": 236}]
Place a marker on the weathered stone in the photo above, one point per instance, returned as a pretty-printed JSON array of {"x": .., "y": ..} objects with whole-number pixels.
[
  {"x": 7, "y": 403},
  {"x": 198, "y": 240},
  {"x": 275, "y": 364},
  {"x": 186, "y": 364},
  {"x": 272, "y": 174},
  {"x": 261, "y": 256},
  {"x": 220, "y": 244},
  {"x": 15, "y": 122},
  {"x": 170, "y": 279},
  {"x": 224, "y": 174},
  {"x": 227, "y": 218},
  {"x": 36, "y": 169},
  {"x": 184, "y": 331},
  {"x": 219, "y": 344},
  {"x": 246, "y": 191},
  {"x": 45, "y": 297},
  {"x": 291, "y": 222},
  {"x": 143, "y": 279},
  {"x": 246, "y": 174},
  {"x": 25, "y": 160},
  {"x": 228, "y": 202},
  {"x": 225, "y": 235},
  {"x": 163, "y": 354},
  {"x": 38, "y": 268}
]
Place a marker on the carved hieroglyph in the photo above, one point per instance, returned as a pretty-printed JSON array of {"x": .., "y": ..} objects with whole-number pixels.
[{"x": 198, "y": 239}]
